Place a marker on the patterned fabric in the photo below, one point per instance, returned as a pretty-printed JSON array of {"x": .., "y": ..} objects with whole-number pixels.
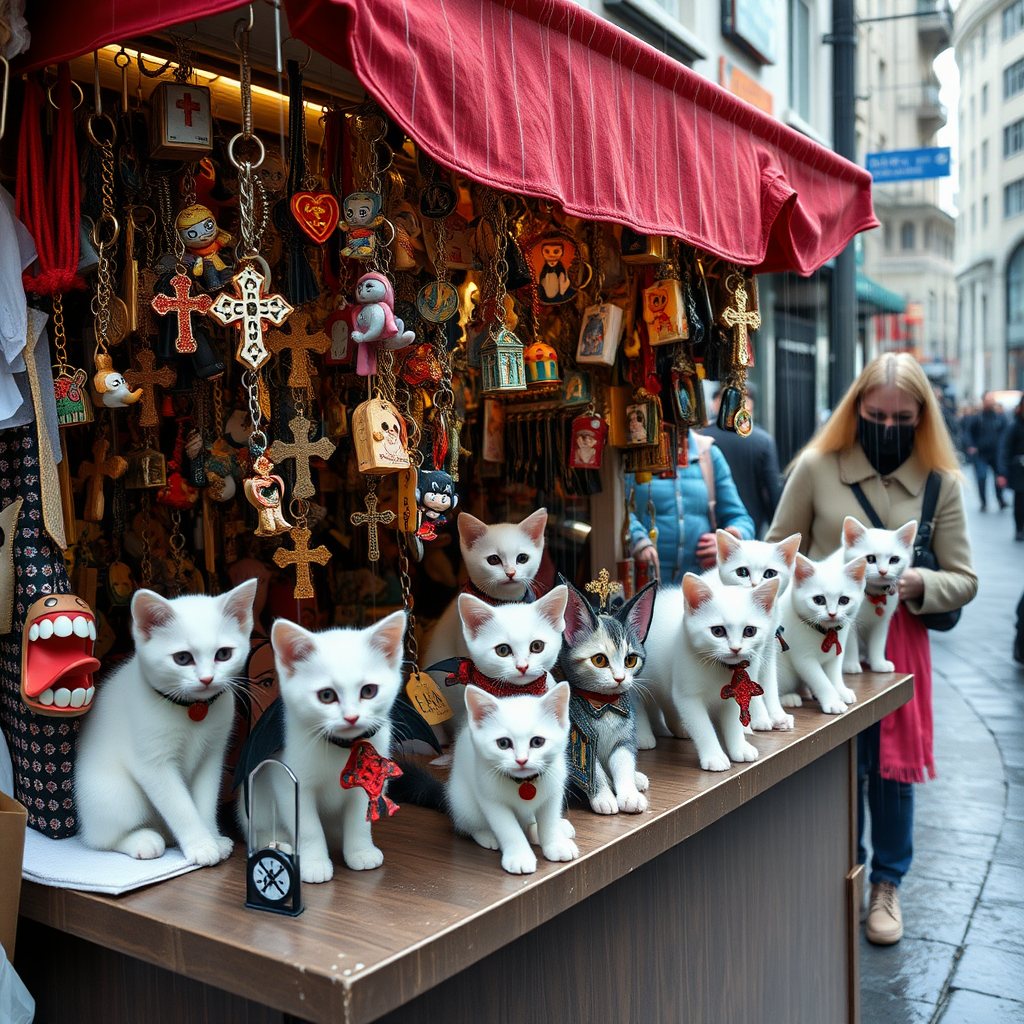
[
  {"x": 468, "y": 673},
  {"x": 43, "y": 749}
]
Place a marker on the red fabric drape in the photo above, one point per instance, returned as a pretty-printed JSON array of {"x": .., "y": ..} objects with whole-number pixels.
[{"x": 544, "y": 98}]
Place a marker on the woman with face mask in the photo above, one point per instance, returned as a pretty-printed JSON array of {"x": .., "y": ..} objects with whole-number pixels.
[{"x": 887, "y": 435}]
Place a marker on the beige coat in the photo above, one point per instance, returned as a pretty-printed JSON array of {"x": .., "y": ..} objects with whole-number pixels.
[{"x": 817, "y": 498}]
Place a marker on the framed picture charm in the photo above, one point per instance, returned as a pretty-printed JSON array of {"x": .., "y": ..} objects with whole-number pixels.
[{"x": 600, "y": 333}]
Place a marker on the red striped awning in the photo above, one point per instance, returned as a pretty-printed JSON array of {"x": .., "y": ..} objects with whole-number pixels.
[{"x": 544, "y": 98}]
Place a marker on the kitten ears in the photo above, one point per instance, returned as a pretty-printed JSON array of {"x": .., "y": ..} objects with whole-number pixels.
[
  {"x": 727, "y": 544},
  {"x": 804, "y": 568},
  {"x": 639, "y": 610},
  {"x": 291, "y": 643},
  {"x": 907, "y": 533},
  {"x": 237, "y": 603},
  {"x": 764, "y": 594},
  {"x": 556, "y": 701},
  {"x": 471, "y": 530},
  {"x": 853, "y": 531},
  {"x": 387, "y": 637},
  {"x": 580, "y": 619},
  {"x": 788, "y": 548},
  {"x": 479, "y": 704},
  {"x": 534, "y": 525},
  {"x": 696, "y": 591},
  {"x": 475, "y": 614},
  {"x": 150, "y": 611},
  {"x": 552, "y": 606},
  {"x": 856, "y": 569}
]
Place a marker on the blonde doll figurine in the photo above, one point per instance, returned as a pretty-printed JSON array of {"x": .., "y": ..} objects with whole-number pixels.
[{"x": 203, "y": 239}]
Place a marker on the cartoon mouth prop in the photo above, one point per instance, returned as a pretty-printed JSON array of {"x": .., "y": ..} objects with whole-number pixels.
[{"x": 57, "y": 662}]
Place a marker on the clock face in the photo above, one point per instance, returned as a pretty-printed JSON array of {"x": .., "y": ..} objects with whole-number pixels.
[{"x": 271, "y": 875}]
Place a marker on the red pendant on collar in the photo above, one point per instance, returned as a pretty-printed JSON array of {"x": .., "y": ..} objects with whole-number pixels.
[
  {"x": 369, "y": 771},
  {"x": 742, "y": 688},
  {"x": 198, "y": 711},
  {"x": 831, "y": 637},
  {"x": 467, "y": 673},
  {"x": 527, "y": 791},
  {"x": 878, "y": 600}
]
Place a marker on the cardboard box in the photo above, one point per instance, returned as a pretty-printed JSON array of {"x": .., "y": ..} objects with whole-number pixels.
[{"x": 12, "y": 847}]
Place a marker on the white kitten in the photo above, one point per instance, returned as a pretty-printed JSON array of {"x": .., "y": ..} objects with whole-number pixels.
[
  {"x": 502, "y": 562},
  {"x": 509, "y": 773},
  {"x": 888, "y": 553},
  {"x": 151, "y": 751},
  {"x": 748, "y": 563},
  {"x": 337, "y": 687},
  {"x": 816, "y": 610},
  {"x": 700, "y": 636}
]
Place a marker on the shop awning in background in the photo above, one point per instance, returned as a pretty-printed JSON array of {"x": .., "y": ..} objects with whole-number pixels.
[
  {"x": 544, "y": 98},
  {"x": 871, "y": 293}
]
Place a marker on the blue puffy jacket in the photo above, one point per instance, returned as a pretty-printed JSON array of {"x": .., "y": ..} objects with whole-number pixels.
[{"x": 681, "y": 506}]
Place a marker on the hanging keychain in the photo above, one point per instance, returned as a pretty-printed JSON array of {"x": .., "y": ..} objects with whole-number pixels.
[
  {"x": 502, "y": 361},
  {"x": 732, "y": 412}
]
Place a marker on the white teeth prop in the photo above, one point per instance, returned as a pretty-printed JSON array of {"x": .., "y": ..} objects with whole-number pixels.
[
  {"x": 45, "y": 629},
  {"x": 92, "y": 630},
  {"x": 33, "y": 631},
  {"x": 46, "y": 697},
  {"x": 89, "y": 694},
  {"x": 77, "y": 697},
  {"x": 81, "y": 626},
  {"x": 62, "y": 697},
  {"x": 62, "y": 626}
]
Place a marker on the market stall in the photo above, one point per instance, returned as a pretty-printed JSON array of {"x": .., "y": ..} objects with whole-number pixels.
[{"x": 346, "y": 272}]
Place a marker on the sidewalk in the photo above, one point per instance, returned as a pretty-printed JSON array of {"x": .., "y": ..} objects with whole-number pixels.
[{"x": 961, "y": 960}]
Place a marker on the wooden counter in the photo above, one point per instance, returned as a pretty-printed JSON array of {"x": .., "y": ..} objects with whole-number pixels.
[{"x": 728, "y": 900}]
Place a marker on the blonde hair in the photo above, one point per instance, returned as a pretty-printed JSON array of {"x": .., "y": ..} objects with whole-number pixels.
[{"x": 932, "y": 442}]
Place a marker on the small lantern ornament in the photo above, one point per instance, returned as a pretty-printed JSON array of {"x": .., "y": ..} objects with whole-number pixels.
[
  {"x": 272, "y": 878},
  {"x": 541, "y": 364},
  {"x": 380, "y": 436},
  {"x": 502, "y": 362},
  {"x": 147, "y": 469}
]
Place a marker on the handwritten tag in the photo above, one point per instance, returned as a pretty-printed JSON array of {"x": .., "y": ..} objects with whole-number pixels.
[{"x": 427, "y": 699}]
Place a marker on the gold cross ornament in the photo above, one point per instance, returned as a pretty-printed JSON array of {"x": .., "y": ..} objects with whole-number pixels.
[
  {"x": 92, "y": 474},
  {"x": 604, "y": 586},
  {"x": 300, "y": 556},
  {"x": 142, "y": 375},
  {"x": 300, "y": 342},
  {"x": 371, "y": 517},
  {"x": 301, "y": 449},
  {"x": 739, "y": 319}
]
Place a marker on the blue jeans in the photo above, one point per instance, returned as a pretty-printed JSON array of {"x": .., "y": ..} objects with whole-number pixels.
[{"x": 891, "y": 805}]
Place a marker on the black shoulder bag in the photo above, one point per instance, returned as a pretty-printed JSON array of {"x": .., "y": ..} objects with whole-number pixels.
[{"x": 924, "y": 557}]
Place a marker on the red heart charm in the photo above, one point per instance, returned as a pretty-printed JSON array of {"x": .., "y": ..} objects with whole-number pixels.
[{"x": 317, "y": 214}]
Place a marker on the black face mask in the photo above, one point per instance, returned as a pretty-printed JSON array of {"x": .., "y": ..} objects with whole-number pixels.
[{"x": 887, "y": 448}]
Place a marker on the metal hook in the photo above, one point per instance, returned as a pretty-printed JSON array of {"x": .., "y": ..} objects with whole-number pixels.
[
  {"x": 238, "y": 30},
  {"x": 309, "y": 51}
]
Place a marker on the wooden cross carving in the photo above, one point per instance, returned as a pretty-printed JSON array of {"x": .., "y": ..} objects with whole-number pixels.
[
  {"x": 739, "y": 319},
  {"x": 301, "y": 449},
  {"x": 251, "y": 311},
  {"x": 300, "y": 556},
  {"x": 92, "y": 474},
  {"x": 300, "y": 343},
  {"x": 142, "y": 375},
  {"x": 183, "y": 306},
  {"x": 371, "y": 517},
  {"x": 604, "y": 586}
]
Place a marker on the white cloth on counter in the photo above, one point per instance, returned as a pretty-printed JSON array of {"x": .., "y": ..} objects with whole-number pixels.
[{"x": 70, "y": 864}]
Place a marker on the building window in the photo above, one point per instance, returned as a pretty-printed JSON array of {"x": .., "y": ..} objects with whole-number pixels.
[
  {"x": 1013, "y": 138},
  {"x": 1015, "y": 287},
  {"x": 984, "y": 99},
  {"x": 972, "y": 109},
  {"x": 984, "y": 211},
  {"x": 1013, "y": 19},
  {"x": 984, "y": 156},
  {"x": 908, "y": 235},
  {"x": 887, "y": 235},
  {"x": 800, "y": 58},
  {"x": 974, "y": 219},
  {"x": 1013, "y": 79},
  {"x": 928, "y": 236},
  {"x": 1013, "y": 198},
  {"x": 974, "y": 164}
]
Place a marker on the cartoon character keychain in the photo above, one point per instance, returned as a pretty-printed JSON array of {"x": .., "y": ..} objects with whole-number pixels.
[
  {"x": 203, "y": 240},
  {"x": 436, "y": 498},
  {"x": 362, "y": 217},
  {"x": 375, "y": 323}
]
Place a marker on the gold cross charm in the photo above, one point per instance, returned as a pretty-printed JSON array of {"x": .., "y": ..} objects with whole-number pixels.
[
  {"x": 604, "y": 586},
  {"x": 371, "y": 517},
  {"x": 142, "y": 375},
  {"x": 301, "y": 450},
  {"x": 92, "y": 474},
  {"x": 738, "y": 318},
  {"x": 300, "y": 556},
  {"x": 300, "y": 343}
]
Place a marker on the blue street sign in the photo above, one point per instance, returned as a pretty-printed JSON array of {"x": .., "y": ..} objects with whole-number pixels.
[{"x": 909, "y": 164}]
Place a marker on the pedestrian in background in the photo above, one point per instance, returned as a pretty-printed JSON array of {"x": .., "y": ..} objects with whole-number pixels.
[
  {"x": 984, "y": 435},
  {"x": 1011, "y": 467},
  {"x": 953, "y": 422},
  {"x": 888, "y": 435},
  {"x": 754, "y": 462}
]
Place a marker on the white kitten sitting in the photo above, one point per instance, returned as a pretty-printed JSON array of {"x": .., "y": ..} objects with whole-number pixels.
[
  {"x": 816, "y": 611},
  {"x": 887, "y": 553},
  {"x": 703, "y": 637},
  {"x": 748, "y": 563},
  {"x": 337, "y": 688},
  {"x": 151, "y": 752},
  {"x": 509, "y": 773}
]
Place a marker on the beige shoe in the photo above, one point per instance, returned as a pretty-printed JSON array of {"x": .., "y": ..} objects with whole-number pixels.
[{"x": 884, "y": 924}]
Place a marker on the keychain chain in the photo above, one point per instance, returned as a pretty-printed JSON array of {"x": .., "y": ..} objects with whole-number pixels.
[
  {"x": 146, "y": 563},
  {"x": 105, "y": 233},
  {"x": 411, "y": 647},
  {"x": 59, "y": 337}
]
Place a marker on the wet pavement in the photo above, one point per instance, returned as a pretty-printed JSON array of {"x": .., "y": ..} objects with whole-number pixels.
[{"x": 961, "y": 960}]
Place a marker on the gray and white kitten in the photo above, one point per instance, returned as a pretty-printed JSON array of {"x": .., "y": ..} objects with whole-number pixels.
[{"x": 603, "y": 654}]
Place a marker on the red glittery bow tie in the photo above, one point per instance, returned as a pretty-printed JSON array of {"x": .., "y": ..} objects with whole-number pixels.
[
  {"x": 467, "y": 673},
  {"x": 742, "y": 688},
  {"x": 831, "y": 639},
  {"x": 878, "y": 600},
  {"x": 369, "y": 771}
]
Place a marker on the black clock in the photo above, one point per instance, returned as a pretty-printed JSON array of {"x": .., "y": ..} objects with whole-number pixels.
[{"x": 272, "y": 882}]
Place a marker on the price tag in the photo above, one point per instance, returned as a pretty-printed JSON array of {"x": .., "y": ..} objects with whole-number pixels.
[{"x": 427, "y": 699}]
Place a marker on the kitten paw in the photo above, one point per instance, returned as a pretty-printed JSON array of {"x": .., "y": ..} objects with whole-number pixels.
[
  {"x": 846, "y": 694},
  {"x": 642, "y": 782},
  {"x": 225, "y": 846},
  {"x": 716, "y": 763},
  {"x": 852, "y": 669},
  {"x": 633, "y": 803},
  {"x": 646, "y": 741},
  {"x": 145, "y": 844},
  {"x": 204, "y": 853},
  {"x": 783, "y": 722},
  {"x": 316, "y": 870},
  {"x": 604, "y": 803},
  {"x": 364, "y": 860},
  {"x": 744, "y": 752},
  {"x": 792, "y": 700},
  {"x": 568, "y": 829},
  {"x": 562, "y": 849},
  {"x": 883, "y": 666},
  {"x": 762, "y": 723},
  {"x": 833, "y": 707},
  {"x": 488, "y": 840},
  {"x": 519, "y": 862}
]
